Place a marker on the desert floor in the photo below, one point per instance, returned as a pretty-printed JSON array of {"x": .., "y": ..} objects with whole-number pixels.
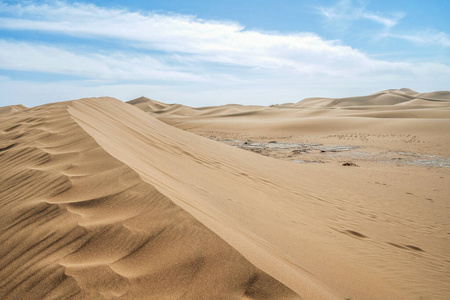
[{"x": 321, "y": 199}]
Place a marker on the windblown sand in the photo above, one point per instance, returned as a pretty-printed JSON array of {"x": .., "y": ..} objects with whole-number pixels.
[{"x": 101, "y": 200}]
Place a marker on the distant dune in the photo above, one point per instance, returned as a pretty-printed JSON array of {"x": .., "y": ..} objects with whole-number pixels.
[
  {"x": 388, "y": 97},
  {"x": 11, "y": 108},
  {"x": 101, "y": 200},
  {"x": 400, "y": 113}
]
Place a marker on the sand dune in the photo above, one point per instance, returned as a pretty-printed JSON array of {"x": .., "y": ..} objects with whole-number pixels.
[
  {"x": 78, "y": 223},
  {"x": 384, "y": 120},
  {"x": 388, "y": 97},
  {"x": 11, "y": 108},
  {"x": 101, "y": 200}
]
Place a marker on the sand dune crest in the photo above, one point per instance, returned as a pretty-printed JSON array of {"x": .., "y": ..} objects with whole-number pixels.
[
  {"x": 100, "y": 200},
  {"x": 77, "y": 223}
]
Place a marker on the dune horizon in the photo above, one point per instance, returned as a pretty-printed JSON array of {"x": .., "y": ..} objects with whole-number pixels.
[{"x": 325, "y": 198}]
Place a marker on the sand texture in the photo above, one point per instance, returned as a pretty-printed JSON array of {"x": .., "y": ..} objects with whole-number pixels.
[{"x": 101, "y": 200}]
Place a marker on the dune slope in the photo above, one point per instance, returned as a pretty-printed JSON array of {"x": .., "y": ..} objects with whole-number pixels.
[
  {"x": 322, "y": 233},
  {"x": 77, "y": 223},
  {"x": 99, "y": 200}
]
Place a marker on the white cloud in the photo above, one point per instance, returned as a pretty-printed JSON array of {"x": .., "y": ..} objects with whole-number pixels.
[
  {"x": 195, "y": 39},
  {"x": 192, "y": 40},
  {"x": 116, "y": 66},
  {"x": 195, "y": 57},
  {"x": 347, "y": 10},
  {"x": 25, "y": 56},
  {"x": 387, "y": 22},
  {"x": 429, "y": 37}
]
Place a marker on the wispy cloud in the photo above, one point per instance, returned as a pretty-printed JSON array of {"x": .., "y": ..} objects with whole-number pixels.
[
  {"x": 25, "y": 56},
  {"x": 188, "y": 39},
  {"x": 427, "y": 37},
  {"x": 349, "y": 11},
  {"x": 148, "y": 49},
  {"x": 187, "y": 36}
]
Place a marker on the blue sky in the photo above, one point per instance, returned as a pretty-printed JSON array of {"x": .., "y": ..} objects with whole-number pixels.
[{"x": 216, "y": 52}]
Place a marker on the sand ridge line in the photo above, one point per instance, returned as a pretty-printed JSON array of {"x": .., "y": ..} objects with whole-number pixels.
[
  {"x": 184, "y": 185},
  {"x": 384, "y": 123},
  {"x": 78, "y": 223}
]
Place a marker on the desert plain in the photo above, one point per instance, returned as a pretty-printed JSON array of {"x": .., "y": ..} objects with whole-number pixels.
[{"x": 345, "y": 198}]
